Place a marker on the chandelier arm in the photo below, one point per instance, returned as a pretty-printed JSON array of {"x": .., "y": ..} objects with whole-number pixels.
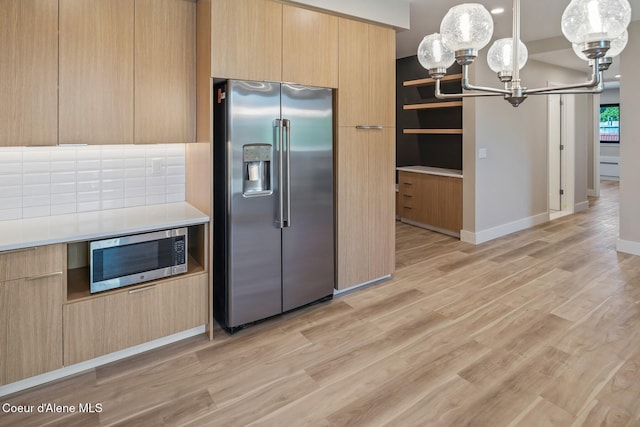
[
  {"x": 441, "y": 95},
  {"x": 468, "y": 86},
  {"x": 596, "y": 90},
  {"x": 596, "y": 79}
]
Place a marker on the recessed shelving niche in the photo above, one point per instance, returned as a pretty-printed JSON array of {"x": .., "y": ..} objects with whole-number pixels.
[{"x": 429, "y": 130}]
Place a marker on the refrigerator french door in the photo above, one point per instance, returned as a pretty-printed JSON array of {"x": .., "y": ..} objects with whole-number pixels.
[{"x": 273, "y": 199}]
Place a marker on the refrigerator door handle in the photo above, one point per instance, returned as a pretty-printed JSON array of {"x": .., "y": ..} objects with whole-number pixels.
[
  {"x": 287, "y": 126},
  {"x": 280, "y": 219}
]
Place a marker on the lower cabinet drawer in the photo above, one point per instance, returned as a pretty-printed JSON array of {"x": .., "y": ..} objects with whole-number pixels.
[
  {"x": 115, "y": 321},
  {"x": 34, "y": 261}
]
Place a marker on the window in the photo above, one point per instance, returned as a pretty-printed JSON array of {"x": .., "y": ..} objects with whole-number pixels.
[{"x": 610, "y": 123}]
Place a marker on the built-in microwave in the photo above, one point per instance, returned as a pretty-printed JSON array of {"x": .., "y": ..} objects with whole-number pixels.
[{"x": 128, "y": 260}]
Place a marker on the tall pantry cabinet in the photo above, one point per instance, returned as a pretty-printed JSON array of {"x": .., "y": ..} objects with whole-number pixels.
[{"x": 365, "y": 154}]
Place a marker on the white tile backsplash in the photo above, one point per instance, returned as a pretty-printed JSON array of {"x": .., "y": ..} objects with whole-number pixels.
[
  {"x": 43, "y": 181},
  {"x": 9, "y": 214}
]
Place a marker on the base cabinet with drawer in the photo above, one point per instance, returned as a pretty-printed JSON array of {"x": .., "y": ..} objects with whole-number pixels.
[
  {"x": 432, "y": 201},
  {"x": 119, "y": 320},
  {"x": 32, "y": 284},
  {"x": 50, "y": 320}
]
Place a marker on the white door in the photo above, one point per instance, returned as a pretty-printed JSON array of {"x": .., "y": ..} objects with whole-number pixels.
[{"x": 554, "y": 121}]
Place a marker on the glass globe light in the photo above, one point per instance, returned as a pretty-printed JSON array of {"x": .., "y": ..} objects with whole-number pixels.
[
  {"x": 618, "y": 44},
  {"x": 434, "y": 55},
  {"x": 577, "y": 49},
  {"x": 467, "y": 26},
  {"x": 586, "y": 21},
  {"x": 500, "y": 56}
]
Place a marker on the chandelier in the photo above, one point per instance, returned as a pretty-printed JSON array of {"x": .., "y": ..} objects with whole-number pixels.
[{"x": 597, "y": 30}]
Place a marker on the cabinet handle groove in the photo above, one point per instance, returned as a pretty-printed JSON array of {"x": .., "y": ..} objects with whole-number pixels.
[
  {"x": 44, "y": 276},
  {"x": 377, "y": 127},
  {"x": 139, "y": 290}
]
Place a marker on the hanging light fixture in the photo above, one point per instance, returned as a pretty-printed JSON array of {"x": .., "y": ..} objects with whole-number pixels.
[{"x": 596, "y": 29}]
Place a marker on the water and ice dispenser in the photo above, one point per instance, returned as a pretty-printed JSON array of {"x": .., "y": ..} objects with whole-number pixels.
[{"x": 256, "y": 169}]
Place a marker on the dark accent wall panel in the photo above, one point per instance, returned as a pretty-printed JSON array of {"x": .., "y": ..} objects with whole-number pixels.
[{"x": 442, "y": 151}]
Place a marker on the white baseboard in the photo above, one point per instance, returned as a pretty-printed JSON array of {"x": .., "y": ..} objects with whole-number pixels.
[
  {"x": 354, "y": 287},
  {"x": 628, "y": 247},
  {"x": 502, "y": 230},
  {"x": 102, "y": 360},
  {"x": 582, "y": 206}
]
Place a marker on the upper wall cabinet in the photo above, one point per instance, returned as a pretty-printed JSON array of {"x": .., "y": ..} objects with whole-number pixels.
[
  {"x": 165, "y": 71},
  {"x": 265, "y": 40},
  {"x": 246, "y": 41},
  {"x": 28, "y": 72},
  {"x": 367, "y": 75},
  {"x": 309, "y": 47},
  {"x": 127, "y": 71},
  {"x": 96, "y": 71}
]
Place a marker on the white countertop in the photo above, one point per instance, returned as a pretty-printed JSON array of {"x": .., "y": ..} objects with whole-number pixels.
[
  {"x": 25, "y": 233},
  {"x": 455, "y": 173}
]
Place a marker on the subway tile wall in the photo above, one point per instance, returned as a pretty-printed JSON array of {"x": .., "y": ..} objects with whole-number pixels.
[{"x": 45, "y": 181}]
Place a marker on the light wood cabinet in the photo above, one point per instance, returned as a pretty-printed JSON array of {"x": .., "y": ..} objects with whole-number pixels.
[
  {"x": 431, "y": 200},
  {"x": 381, "y": 169},
  {"x": 31, "y": 312},
  {"x": 365, "y": 204},
  {"x": 309, "y": 47},
  {"x": 366, "y": 94},
  {"x": 270, "y": 41},
  {"x": 352, "y": 173},
  {"x": 118, "y": 320},
  {"x": 33, "y": 261},
  {"x": 247, "y": 41},
  {"x": 165, "y": 71},
  {"x": 96, "y": 71},
  {"x": 28, "y": 72},
  {"x": 365, "y": 153}
]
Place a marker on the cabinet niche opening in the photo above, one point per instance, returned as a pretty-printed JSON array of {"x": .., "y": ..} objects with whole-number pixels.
[{"x": 78, "y": 287}]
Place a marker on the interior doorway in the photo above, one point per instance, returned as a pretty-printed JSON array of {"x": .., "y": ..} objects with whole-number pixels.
[{"x": 561, "y": 144}]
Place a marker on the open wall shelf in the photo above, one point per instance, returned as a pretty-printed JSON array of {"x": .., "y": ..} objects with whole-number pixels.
[
  {"x": 432, "y": 131},
  {"x": 429, "y": 130},
  {"x": 429, "y": 105},
  {"x": 430, "y": 81}
]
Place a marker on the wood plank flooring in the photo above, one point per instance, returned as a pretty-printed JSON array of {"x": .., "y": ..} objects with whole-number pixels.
[{"x": 538, "y": 328}]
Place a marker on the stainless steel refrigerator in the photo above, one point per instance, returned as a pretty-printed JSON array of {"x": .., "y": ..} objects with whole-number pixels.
[{"x": 273, "y": 199}]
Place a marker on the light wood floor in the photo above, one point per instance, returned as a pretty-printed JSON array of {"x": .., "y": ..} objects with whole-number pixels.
[{"x": 538, "y": 328}]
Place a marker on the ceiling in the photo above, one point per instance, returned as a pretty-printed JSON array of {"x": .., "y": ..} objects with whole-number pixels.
[{"x": 540, "y": 19}]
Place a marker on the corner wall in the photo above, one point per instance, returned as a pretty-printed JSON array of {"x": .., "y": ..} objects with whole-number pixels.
[
  {"x": 508, "y": 190},
  {"x": 629, "y": 239}
]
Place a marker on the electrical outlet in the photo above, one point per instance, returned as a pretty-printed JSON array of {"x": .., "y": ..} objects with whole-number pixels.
[{"x": 482, "y": 153}]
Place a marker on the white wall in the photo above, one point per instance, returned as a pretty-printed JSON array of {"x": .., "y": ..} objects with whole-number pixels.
[
  {"x": 393, "y": 13},
  {"x": 629, "y": 240},
  {"x": 610, "y": 96},
  {"x": 508, "y": 191}
]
